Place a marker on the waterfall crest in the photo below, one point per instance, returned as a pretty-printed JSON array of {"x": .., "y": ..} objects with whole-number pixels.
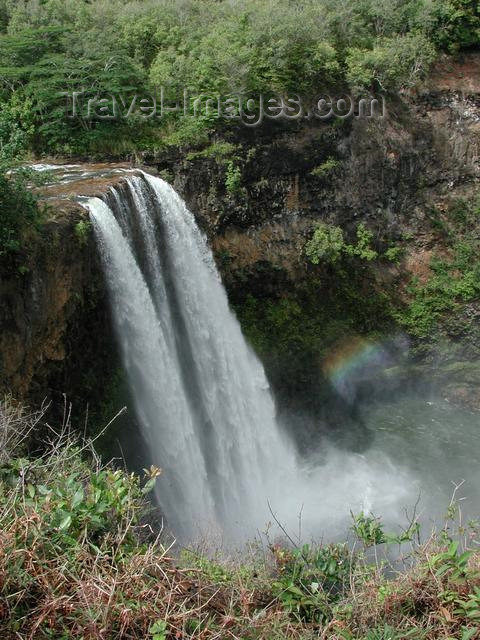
[{"x": 200, "y": 393}]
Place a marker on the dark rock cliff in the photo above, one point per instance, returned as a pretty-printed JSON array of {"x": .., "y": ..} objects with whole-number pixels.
[
  {"x": 54, "y": 321},
  {"x": 388, "y": 173},
  {"x": 399, "y": 175}
]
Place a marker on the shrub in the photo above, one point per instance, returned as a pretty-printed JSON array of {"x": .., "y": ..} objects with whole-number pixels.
[
  {"x": 312, "y": 579},
  {"x": 459, "y": 22},
  {"x": 233, "y": 178},
  {"x": 18, "y": 210},
  {"x": 326, "y": 244},
  {"x": 16, "y": 128},
  {"x": 453, "y": 280},
  {"x": 82, "y": 231},
  {"x": 362, "y": 249},
  {"x": 75, "y": 558},
  {"x": 393, "y": 254},
  {"x": 391, "y": 64},
  {"x": 217, "y": 150}
]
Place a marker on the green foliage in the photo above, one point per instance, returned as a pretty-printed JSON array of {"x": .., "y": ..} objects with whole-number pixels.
[
  {"x": 30, "y": 176},
  {"x": 16, "y": 129},
  {"x": 216, "y": 570},
  {"x": 40, "y": 68},
  {"x": 391, "y": 63},
  {"x": 388, "y": 632},
  {"x": 452, "y": 282},
  {"x": 452, "y": 563},
  {"x": 213, "y": 570},
  {"x": 254, "y": 47},
  {"x": 69, "y": 526},
  {"x": 82, "y": 231},
  {"x": 187, "y": 132},
  {"x": 393, "y": 254},
  {"x": 78, "y": 505},
  {"x": 469, "y": 606},
  {"x": 18, "y": 211},
  {"x": 158, "y": 630},
  {"x": 364, "y": 240},
  {"x": 233, "y": 178},
  {"x": 454, "y": 277},
  {"x": 217, "y": 150},
  {"x": 460, "y": 20},
  {"x": 325, "y": 168},
  {"x": 312, "y": 579},
  {"x": 167, "y": 175},
  {"x": 326, "y": 244},
  {"x": 461, "y": 595},
  {"x": 370, "y": 531},
  {"x": 18, "y": 207},
  {"x": 362, "y": 249},
  {"x": 210, "y": 48}
]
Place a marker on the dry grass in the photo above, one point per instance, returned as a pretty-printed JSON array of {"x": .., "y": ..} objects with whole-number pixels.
[{"x": 76, "y": 562}]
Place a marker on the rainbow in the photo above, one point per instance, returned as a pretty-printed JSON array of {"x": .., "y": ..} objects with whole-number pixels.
[{"x": 352, "y": 360}]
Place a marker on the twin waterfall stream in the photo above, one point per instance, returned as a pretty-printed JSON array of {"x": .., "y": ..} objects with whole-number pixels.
[{"x": 201, "y": 395}]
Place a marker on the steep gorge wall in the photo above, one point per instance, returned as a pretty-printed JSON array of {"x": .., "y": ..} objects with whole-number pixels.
[
  {"x": 388, "y": 171},
  {"x": 389, "y": 174},
  {"x": 54, "y": 321},
  {"x": 55, "y": 332}
]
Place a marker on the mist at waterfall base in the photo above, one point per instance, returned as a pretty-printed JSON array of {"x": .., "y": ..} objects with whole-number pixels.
[{"x": 206, "y": 411}]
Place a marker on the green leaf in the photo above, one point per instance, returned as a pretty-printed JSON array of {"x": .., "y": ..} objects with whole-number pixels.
[
  {"x": 158, "y": 629},
  {"x": 295, "y": 590},
  {"x": 468, "y": 633},
  {"x": 443, "y": 569},
  {"x": 77, "y": 498},
  {"x": 452, "y": 549},
  {"x": 149, "y": 485},
  {"x": 463, "y": 559},
  {"x": 473, "y": 614},
  {"x": 65, "y": 523}
]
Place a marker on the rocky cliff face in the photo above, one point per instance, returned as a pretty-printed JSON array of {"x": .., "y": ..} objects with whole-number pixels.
[
  {"x": 258, "y": 199},
  {"x": 55, "y": 337},
  {"x": 385, "y": 172},
  {"x": 39, "y": 301},
  {"x": 400, "y": 175}
]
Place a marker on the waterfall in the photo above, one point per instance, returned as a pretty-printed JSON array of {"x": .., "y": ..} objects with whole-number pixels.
[{"x": 200, "y": 393}]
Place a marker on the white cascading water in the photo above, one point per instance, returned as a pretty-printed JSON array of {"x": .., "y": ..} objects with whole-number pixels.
[{"x": 200, "y": 393}]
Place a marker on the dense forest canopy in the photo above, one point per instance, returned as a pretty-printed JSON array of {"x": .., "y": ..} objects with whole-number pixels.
[
  {"x": 230, "y": 47},
  {"x": 50, "y": 49}
]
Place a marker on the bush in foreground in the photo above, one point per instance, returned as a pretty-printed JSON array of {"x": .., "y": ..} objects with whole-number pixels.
[{"x": 76, "y": 562}]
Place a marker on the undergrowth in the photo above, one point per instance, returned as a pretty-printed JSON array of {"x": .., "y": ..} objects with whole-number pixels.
[
  {"x": 454, "y": 273},
  {"x": 78, "y": 561}
]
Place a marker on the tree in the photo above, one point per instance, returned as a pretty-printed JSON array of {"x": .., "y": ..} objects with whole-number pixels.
[
  {"x": 393, "y": 63},
  {"x": 460, "y": 25}
]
